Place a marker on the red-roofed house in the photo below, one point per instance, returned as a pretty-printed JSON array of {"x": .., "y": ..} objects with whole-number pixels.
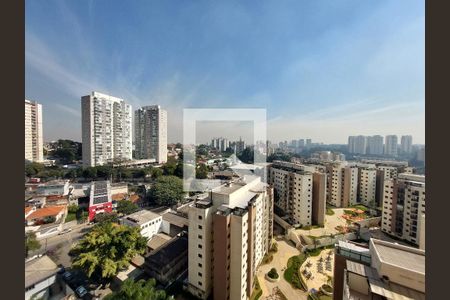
[{"x": 43, "y": 214}]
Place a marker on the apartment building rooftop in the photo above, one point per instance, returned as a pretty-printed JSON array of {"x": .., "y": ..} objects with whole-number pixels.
[
  {"x": 39, "y": 269},
  {"x": 142, "y": 217},
  {"x": 400, "y": 256}
]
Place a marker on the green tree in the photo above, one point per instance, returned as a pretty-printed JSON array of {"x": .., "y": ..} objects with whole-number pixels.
[
  {"x": 90, "y": 172},
  {"x": 179, "y": 170},
  {"x": 139, "y": 290},
  {"x": 31, "y": 243},
  {"x": 126, "y": 207},
  {"x": 169, "y": 167},
  {"x": 202, "y": 172},
  {"x": 107, "y": 249},
  {"x": 246, "y": 156},
  {"x": 32, "y": 169},
  {"x": 168, "y": 190},
  {"x": 106, "y": 218},
  {"x": 156, "y": 172}
]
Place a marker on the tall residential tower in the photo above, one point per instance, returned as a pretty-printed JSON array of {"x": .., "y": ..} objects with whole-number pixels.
[
  {"x": 34, "y": 145},
  {"x": 106, "y": 129},
  {"x": 150, "y": 133}
]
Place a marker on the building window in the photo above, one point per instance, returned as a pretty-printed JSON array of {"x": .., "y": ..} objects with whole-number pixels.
[
  {"x": 200, "y": 283},
  {"x": 200, "y": 217},
  {"x": 199, "y": 255},
  {"x": 200, "y": 227},
  {"x": 200, "y": 246},
  {"x": 200, "y": 265},
  {"x": 200, "y": 274}
]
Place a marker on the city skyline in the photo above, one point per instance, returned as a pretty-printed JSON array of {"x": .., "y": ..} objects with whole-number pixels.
[{"x": 356, "y": 68}]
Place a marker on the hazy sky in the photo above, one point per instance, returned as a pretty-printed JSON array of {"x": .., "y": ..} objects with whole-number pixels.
[{"x": 322, "y": 69}]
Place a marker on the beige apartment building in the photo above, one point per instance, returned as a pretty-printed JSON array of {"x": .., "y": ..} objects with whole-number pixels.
[
  {"x": 342, "y": 184},
  {"x": 34, "y": 145},
  {"x": 294, "y": 186},
  {"x": 230, "y": 231},
  {"x": 403, "y": 207},
  {"x": 367, "y": 185}
]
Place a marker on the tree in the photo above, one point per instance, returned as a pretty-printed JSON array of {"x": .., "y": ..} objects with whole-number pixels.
[
  {"x": 202, "y": 172},
  {"x": 156, "y": 172},
  {"x": 90, "y": 172},
  {"x": 170, "y": 166},
  {"x": 168, "y": 190},
  {"x": 106, "y": 218},
  {"x": 179, "y": 170},
  {"x": 107, "y": 249},
  {"x": 126, "y": 207},
  {"x": 139, "y": 290},
  {"x": 246, "y": 156},
  {"x": 33, "y": 168},
  {"x": 31, "y": 243}
]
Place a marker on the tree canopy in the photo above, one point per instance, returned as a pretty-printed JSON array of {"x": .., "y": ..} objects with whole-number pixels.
[
  {"x": 139, "y": 290},
  {"x": 107, "y": 249},
  {"x": 168, "y": 190},
  {"x": 31, "y": 243},
  {"x": 126, "y": 207}
]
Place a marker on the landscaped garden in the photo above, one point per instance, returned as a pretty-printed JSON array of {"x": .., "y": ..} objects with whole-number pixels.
[{"x": 292, "y": 275}]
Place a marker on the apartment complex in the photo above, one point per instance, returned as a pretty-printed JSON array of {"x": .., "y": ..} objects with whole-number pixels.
[
  {"x": 383, "y": 270},
  {"x": 367, "y": 185},
  {"x": 375, "y": 145},
  {"x": 34, "y": 145},
  {"x": 342, "y": 184},
  {"x": 293, "y": 191},
  {"x": 357, "y": 144},
  {"x": 150, "y": 133},
  {"x": 403, "y": 207},
  {"x": 391, "y": 145},
  {"x": 106, "y": 129},
  {"x": 406, "y": 144},
  {"x": 230, "y": 230}
]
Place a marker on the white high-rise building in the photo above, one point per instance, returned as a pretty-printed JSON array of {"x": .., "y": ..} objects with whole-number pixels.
[
  {"x": 375, "y": 145},
  {"x": 406, "y": 143},
  {"x": 34, "y": 145},
  {"x": 150, "y": 133},
  {"x": 106, "y": 129},
  {"x": 391, "y": 145}
]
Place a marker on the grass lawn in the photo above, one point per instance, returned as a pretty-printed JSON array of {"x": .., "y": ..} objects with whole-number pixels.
[
  {"x": 71, "y": 216},
  {"x": 359, "y": 206},
  {"x": 291, "y": 274}
]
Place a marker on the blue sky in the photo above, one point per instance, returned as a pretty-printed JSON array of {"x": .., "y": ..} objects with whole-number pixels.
[{"x": 322, "y": 69}]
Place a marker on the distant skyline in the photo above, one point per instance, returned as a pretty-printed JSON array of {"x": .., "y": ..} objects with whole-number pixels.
[{"x": 323, "y": 70}]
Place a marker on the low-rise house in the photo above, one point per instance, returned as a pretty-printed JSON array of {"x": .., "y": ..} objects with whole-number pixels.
[
  {"x": 157, "y": 241},
  {"x": 169, "y": 262},
  {"x": 40, "y": 278},
  {"x": 149, "y": 222},
  {"x": 50, "y": 214},
  {"x": 54, "y": 187}
]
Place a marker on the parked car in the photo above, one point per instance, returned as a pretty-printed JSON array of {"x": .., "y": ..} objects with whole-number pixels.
[
  {"x": 81, "y": 291},
  {"x": 67, "y": 276},
  {"x": 62, "y": 270},
  {"x": 65, "y": 231}
]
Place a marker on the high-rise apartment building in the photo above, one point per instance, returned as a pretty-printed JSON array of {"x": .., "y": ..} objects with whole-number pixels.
[
  {"x": 150, "y": 133},
  {"x": 106, "y": 129},
  {"x": 34, "y": 144},
  {"x": 375, "y": 145},
  {"x": 240, "y": 145},
  {"x": 391, "y": 145},
  {"x": 406, "y": 144},
  {"x": 293, "y": 190},
  {"x": 357, "y": 144},
  {"x": 367, "y": 185},
  {"x": 403, "y": 206},
  {"x": 230, "y": 231},
  {"x": 342, "y": 184}
]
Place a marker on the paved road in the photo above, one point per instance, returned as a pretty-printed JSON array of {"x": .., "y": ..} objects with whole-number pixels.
[{"x": 58, "y": 246}]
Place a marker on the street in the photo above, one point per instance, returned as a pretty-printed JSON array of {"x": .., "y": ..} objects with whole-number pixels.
[{"x": 58, "y": 246}]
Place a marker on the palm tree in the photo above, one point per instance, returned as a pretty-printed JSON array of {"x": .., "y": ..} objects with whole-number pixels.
[{"x": 107, "y": 249}]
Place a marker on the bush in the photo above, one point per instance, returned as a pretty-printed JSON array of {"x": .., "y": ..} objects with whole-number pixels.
[
  {"x": 329, "y": 212},
  {"x": 274, "y": 247},
  {"x": 267, "y": 259},
  {"x": 327, "y": 288},
  {"x": 273, "y": 273}
]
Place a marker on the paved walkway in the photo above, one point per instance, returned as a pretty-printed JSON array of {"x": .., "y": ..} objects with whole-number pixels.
[
  {"x": 285, "y": 251},
  {"x": 318, "y": 279},
  {"x": 331, "y": 222}
]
